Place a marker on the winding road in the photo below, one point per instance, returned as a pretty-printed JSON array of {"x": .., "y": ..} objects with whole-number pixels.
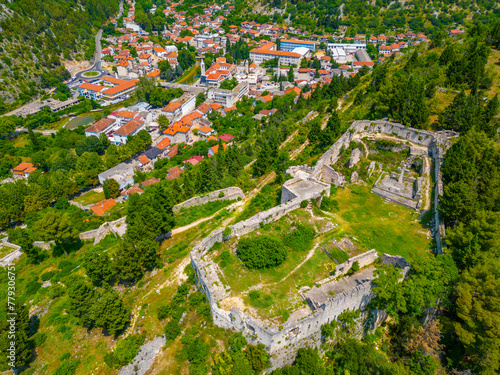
[{"x": 96, "y": 67}]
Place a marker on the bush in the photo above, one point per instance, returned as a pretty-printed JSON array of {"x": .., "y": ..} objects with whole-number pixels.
[
  {"x": 47, "y": 275},
  {"x": 354, "y": 268},
  {"x": 304, "y": 204},
  {"x": 329, "y": 204},
  {"x": 172, "y": 330},
  {"x": 301, "y": 238},
  {"x": 261, "y": 252},
  {"x": 125, "y": 351},
  {"x": 260, "y": 300}
]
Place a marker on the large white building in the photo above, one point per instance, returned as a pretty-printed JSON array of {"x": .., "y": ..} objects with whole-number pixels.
[
  {"x": 269, "y": 52},
  {"x": 228, "y": 98},
  {"x": 349, "y": 48}
]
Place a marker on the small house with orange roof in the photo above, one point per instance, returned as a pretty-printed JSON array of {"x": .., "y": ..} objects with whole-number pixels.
[
  {"x": 178, "y": 133},
  {"x": 103, "y": 206},
  {"x": 24, "y": 169},
  {"x": 215, "y": 149},
  {"x": 174, "y": 173},
  {"x": 132, "y": 190},
  {"x": 132, "y": 127},
  {"x": 172, "y": 110},
  {"x": 151, "y": 181},
  {"x": 205, "y": 132},
  {"x": 225, "y": 111}
]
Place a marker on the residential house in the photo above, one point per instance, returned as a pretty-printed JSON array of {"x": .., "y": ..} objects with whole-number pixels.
[
  {"x": 215, "y": 149},
  {"x": 150, "y": 182},
  {"x": 193, "y": 160},
  {"x": 122, "y": 173},
  {"x": 174, "y": 173},
  {"x": 103, "y": 206},
  {"x": 24, "y": 169},
  {"x": 130, "y": 128},
  {"x": 205, "y": 132},
  {"x": 178, "y": 133},
  {"x": 99, "y": 127}
]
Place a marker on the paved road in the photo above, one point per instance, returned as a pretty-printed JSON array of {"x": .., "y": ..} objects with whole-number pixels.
[
  {"x": 97, "y": 62},
  {"x": 44, "y": 132}
]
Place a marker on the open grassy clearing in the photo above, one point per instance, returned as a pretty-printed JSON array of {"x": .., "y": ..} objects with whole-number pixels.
[
  {"x": 91, "y": 197},
  {"x": 386, "y": 227},
  {"x": 277, "y": 286},
  {"x": 187, "y": 215},
  {"x": 493, "y": 66}
]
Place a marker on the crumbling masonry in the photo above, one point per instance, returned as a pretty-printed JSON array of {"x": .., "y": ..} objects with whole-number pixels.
[{"x": 329, "y": 298}]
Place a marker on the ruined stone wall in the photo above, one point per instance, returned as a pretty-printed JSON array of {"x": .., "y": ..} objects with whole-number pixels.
[
  {"x": 230, "y": 193},
  {"x": 104, "y": 229},
  {"x": 282, "y": 342},
  {"x": 363, "y": 260}
]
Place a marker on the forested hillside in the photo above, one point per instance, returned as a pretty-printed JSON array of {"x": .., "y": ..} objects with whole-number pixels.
[
  {"x": 366, "y": 16},
  {"x": 37, "y": 35}
]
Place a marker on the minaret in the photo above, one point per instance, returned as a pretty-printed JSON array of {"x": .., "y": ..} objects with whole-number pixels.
[
  {"x": 279, "y": 68},
  {"x": 202, "y": 67}
]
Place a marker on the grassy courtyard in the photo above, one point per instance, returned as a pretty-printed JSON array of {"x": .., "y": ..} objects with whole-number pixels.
[
  {"x": 91, "y": 197},
  {"x": 386, "y": 227},
  {"x": 361, "y": 216}
]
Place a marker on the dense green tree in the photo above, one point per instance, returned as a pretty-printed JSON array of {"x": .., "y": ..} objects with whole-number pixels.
[
  {"x": 55, "y": 226},
  {"x": 261, "y": 252},
  {"x": 478, "y": 310},
  {"x": 98, "y": 267},
  {"x": 81, "y": 299},
  {"x": 111, "y": 188},
  {"x": 109, "y": 312}
]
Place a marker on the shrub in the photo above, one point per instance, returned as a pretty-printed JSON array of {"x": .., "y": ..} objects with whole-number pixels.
[
  {"x": 125, "y": 351},
  {"x": 172, "y": 330},
  {"x": 261, "y": 252},
  {"x": 354, "y": 268},
  {"x": 301, "y": 238},
  {"x": 260, "y": 300},
  {"x": 304, "y": 204},
  {"x": 329, "y": 204},
  {"x": 47, "y": 275},
  {"x": 221, "y": 194},
  {"x": 226, "y": 232}
]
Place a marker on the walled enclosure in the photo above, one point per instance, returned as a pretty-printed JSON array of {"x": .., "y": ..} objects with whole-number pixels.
[{"x": 310, "y": 183}]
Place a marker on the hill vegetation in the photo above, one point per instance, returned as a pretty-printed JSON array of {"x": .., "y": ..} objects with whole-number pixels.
[{"x": 38, "y": 35}]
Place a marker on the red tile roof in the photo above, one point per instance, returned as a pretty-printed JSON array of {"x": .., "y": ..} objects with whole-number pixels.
[
  {"x": 105, "y": 205},
  {"x": 163, "y": 144},
  {"x": 129, "y": 127},
  {"x": 100, "y": 125},
  {"x": 150, "y": 182}
]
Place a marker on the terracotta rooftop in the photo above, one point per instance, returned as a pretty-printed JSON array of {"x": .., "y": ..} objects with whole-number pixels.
[
  {"x": 129, "y": 127},
  {"x": 105, "y": 205},
  {"x": 100, "y": 125}
]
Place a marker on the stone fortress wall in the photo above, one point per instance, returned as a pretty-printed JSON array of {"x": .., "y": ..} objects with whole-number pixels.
[{"x": 282, "y": 342}]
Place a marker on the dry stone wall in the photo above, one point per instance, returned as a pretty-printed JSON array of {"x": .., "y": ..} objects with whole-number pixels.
[{"x": 230, "y": 193}]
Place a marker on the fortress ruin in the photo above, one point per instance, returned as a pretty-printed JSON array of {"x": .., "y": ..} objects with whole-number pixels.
[{"x": 332, "y": 296}]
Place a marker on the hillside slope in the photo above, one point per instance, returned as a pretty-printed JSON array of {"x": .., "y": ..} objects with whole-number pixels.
[{"x": 36, "y": 35}]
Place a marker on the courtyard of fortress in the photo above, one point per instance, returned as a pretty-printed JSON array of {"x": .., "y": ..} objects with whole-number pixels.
[{"x": 314, "y": 287}]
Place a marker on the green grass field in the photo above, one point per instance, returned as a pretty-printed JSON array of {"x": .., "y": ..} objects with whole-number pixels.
[
  {"x": 386, "y": 227},
  {"x": 90, "y": 197},
  {"x": 90, "y": 74},
  {"x": 188, "y": 215}
]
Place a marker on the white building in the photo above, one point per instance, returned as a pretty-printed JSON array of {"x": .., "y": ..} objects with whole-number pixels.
[
  {"x": 228, "y": 98},
  {"x": 349, "y": 48}
]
